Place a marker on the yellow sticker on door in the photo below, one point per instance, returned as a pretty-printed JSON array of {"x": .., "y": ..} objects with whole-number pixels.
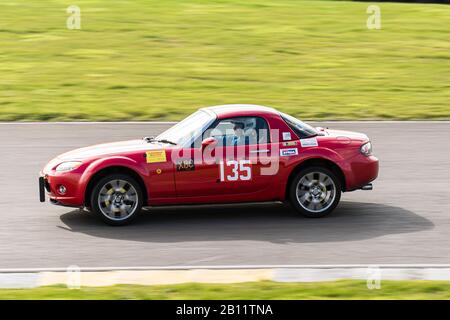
[{"x": 156, "y": 156}]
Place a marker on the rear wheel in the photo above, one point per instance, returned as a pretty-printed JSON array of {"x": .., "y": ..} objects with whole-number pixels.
[
  {"x": 117, "y": 199},
  {"x": 315, "y": 192}
]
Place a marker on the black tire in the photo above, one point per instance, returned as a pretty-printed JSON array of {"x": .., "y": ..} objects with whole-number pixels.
[
  {"x": 330, "y": 188},
  {"x": 132, "y": 207}
]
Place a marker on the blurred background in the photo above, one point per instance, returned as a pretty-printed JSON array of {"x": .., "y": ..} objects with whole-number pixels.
[{"x": 161, "y": 60}]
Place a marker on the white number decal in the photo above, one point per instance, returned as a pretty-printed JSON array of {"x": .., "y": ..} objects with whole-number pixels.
[
  {"x": 234, "y": 170},
  {"x": 247, "y": 169}
]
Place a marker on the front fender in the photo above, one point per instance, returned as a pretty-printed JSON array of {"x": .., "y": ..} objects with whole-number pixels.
[
  {"x": 307, "y": 155},
  {"x": 116, "y": 161},
  {"x": 325, "y": 154}
]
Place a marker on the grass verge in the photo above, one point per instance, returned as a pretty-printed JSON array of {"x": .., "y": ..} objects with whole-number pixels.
[
  {"x": 161, "y": 60},
  {"x": 343, "y": 289}
]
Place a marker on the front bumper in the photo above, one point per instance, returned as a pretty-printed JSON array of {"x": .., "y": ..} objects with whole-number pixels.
[
  {"x": 49, "y": 184},
  {"x": 364, "y": 169}
]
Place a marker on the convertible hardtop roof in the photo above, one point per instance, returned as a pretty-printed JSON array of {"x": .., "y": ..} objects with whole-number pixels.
[{"x": 236, "y": 110}]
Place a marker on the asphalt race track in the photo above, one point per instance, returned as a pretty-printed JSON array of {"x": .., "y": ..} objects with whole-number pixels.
[{"x": 404, "y": 220}]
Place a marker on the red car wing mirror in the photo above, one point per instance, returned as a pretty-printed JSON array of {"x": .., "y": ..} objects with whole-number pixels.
[{"x": 209, "y": 142}]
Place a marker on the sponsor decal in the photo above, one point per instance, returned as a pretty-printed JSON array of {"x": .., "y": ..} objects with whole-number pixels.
[
  {"x": 286, "y": 136},
  {"x": 185, "y": 165},
  {"x": 310, "y": 142},
  {"x": 290, "y": 143},
  {"x": 155, "y": 156},
  {"x": 288, "y": 152}
]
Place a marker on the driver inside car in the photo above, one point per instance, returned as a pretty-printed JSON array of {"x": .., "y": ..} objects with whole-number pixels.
[{"x": 239, "y": 137}]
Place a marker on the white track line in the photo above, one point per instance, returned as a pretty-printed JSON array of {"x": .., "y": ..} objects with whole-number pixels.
[
  {"x": 88, "y": 123},
  {"x": 99, "y": 277},
  {"x": 173, "y": 122},
  {"x": 231, "y": 267}
]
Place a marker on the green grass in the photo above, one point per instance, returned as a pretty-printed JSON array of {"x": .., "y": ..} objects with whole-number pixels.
[
  {"x": 142, "y": 59},
  {"x": 343, "y": 289}
]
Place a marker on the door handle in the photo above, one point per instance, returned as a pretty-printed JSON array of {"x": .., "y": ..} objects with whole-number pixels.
[{"x": 259, "y": 151}]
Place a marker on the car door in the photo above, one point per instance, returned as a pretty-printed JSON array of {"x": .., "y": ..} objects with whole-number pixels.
[{"x": 233, "y": 166}]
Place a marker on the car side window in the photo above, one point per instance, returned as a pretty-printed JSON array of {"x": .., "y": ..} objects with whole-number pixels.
[{"x": 239, "y": 131}]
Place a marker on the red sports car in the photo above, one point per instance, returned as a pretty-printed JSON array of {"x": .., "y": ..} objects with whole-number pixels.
[{"x": 221, "y": 154}]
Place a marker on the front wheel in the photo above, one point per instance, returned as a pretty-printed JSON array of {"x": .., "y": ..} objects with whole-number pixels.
[
  {"x": 315, "y": 192},
  {"x": 117, "y": 199}
]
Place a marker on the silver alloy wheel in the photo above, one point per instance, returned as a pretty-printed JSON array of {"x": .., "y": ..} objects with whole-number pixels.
[
  {"x": 117, "y": 199},
  {"x": 315, "y": 192}
]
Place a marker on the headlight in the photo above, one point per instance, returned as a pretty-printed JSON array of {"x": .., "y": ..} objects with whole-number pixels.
[
  {"x": 68, "y": 166},
  {"x": 366, "y": 149}
]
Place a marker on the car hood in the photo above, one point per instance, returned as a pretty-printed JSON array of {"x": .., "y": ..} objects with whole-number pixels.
[
  {"x": 100, "y": 150},
  {"x": 355, "y": 136}
]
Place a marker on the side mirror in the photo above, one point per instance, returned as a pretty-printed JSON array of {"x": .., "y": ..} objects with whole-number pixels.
[{"x": 209, "y": 142}]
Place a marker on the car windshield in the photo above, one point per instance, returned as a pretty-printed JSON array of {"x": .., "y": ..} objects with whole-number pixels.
[
  {"x": 302, "y": 129},
  {"x": 191, "y": 127}
]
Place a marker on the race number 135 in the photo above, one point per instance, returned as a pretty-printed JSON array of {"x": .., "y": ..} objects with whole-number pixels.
[{"x": 233, "y": 170}]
